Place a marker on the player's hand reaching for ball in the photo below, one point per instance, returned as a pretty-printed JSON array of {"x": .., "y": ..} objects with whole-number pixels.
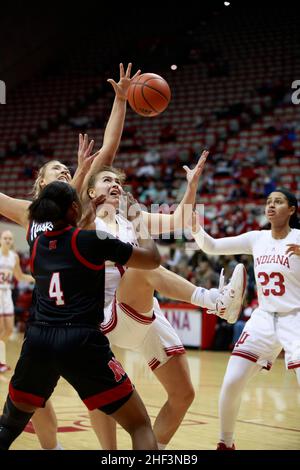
[
  {"x": 121, "y": 88},
  {"x": 193, "y": 175},
  {"x": 293, "y": 249}
]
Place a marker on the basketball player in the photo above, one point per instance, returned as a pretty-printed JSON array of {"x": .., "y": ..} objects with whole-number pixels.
[
  {"x": 166, "y": 282},
  {"x": 16, "y": 209},
  {"x": 63, "y": 338},
  {"x": 133, "y": 319},
  {"x": 275, "y": 324},
  {"x": 55, "y": 170},
  {"x": 9, "y": 268}
]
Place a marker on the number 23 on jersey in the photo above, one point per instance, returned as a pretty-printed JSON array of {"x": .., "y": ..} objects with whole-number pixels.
[{"x": 276, "y": 280}]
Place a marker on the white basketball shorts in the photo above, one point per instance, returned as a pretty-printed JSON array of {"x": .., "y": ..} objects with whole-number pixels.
[
  {"x": 154, "y": 337},
  {"x": 6, "y": 303},
  {"x": 265, "y": 334}
]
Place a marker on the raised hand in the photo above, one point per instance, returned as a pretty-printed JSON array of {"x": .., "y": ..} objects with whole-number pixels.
[
  {"x": 293, "y": 249},
  {"x": 193, "y": 175},
  {"x": 85, "y": 159},
  {"x": 121, "y": 88}
]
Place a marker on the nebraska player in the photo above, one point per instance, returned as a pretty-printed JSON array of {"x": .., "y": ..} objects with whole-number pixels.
[
  {"x": 9, "y": 268},
  {"x": 16, "y": 209},
  {"x": 275, "y": 324}
]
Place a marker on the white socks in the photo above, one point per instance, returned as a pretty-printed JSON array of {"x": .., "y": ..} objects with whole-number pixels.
[
  {"x": 57, "y": 447},
  {"x": 161, "y": 446},
  {"x": 205, "y": 298},
  {"x": 227, "y": 438},
  {"x": 2, "y": 352}
]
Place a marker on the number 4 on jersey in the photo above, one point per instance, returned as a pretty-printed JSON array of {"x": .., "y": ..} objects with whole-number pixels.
[{"x": 55, "y": 291}]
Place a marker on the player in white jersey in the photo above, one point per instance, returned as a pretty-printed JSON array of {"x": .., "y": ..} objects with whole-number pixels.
[
  {"x": 9, "y": 268},
  {"x": 275, "y": 324},
  {"x": 133, "y": 319}
]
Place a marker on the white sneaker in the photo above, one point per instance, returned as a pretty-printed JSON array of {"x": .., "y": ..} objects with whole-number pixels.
[{"x": 231, "y": 296}]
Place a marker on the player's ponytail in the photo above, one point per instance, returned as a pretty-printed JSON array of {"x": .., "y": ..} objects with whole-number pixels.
[{"x": 53, "y": 202}]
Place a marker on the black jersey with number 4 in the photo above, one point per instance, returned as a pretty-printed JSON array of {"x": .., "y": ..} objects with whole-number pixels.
[{"x": 68, "y": 267}]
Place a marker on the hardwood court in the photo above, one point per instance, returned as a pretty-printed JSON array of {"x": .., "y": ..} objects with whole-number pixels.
[{"x": 269, "y": 417}]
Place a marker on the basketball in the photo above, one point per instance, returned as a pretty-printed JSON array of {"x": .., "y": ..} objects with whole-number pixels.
[{"x": 149, "y": 94}]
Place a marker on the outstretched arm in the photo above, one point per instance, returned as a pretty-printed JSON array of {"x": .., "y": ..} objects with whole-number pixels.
[
  {"x": 18, "y": 273},
  {"x": 114, "y": 128},
  {"x": 160, "y": 223},
  {"x": 241, "y": 244},
  {"x": 14, "y": 209}
]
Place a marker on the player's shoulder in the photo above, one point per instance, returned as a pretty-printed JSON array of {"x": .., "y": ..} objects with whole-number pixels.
[
  {"x": 14, "y": 255},
  {"x": 258, "y": 234},
  {"x": 295, "y": 235}
]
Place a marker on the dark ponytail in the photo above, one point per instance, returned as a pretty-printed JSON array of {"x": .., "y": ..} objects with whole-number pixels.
[
  {"x": 53, "y": 202},
  {"x": 292, "y": 201}
]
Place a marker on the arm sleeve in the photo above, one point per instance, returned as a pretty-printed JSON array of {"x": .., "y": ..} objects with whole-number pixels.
[
  {"x": 97, "y": 247},
  {"x": 239, "y": 245}
]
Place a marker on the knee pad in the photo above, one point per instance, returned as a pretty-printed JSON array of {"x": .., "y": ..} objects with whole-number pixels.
[{"x": 12, "y": 423}]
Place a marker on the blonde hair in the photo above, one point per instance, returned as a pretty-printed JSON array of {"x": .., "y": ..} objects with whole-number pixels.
[
  {"x": 39, "y": 176},
  {"x": 93, "y": 178}
]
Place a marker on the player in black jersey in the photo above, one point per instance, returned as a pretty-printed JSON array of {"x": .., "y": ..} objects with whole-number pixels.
[
  {"x": 63, "y": 339},
  {"x": 44, "y": 420}
]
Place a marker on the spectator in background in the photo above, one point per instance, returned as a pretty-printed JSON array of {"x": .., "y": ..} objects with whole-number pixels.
[
  {"x": 168, "y": 134},
  {"x": 261, "y": 155},
  {"x": 269, "y": 185},
  {"x": 152, "y": 156},
  {"x": 81, "y": 123}
]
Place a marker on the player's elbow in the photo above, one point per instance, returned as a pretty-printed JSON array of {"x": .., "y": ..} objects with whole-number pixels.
[
  {"x": 153, "y": 261},
  {"x": 156, "y": 260}
]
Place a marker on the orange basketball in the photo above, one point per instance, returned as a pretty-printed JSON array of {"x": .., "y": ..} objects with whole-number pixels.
[{"x": 149, "y": 94}]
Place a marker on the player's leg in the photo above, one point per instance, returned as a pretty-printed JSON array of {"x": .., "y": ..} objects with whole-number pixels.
[
  {"x": 287, "y": 329},
  {"x": 133, "y": 417},
  {"x": 137, "y": 286},
  {"x": 174, "y": 376},
  {"x": 105, "y": 429},
  {"x": 2, "y": 345},
  {"x": 13, "y": 420},
  {"x": 32, "y": 384},
  {"x": 45, "y": 425},
  {"x": 102, "y": 383},
  {"x": 239, "y": 371},
  {"x": 165, "y": 355},
  {"x": 8, "y": 326},
  {"x": 136, "y": 290}
]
